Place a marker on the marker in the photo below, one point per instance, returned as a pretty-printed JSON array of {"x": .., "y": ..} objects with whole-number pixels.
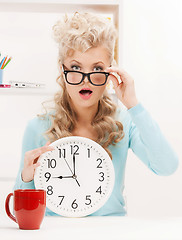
[
  {"x": 2, "y": 62},
  {"x": 5, "y": 85},
  {"x": 6, "y": 63}
]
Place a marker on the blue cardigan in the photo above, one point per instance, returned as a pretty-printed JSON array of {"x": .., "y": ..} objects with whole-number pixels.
[{"x": 142, "y": 135}]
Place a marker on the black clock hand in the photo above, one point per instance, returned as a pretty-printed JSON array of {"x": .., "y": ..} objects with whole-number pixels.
[
  {"x": 60, "y": 177},
  {"x": 74, "y": 175},
  {"x": 77, "y": 181},
  {"x": 74, "y": 165}
]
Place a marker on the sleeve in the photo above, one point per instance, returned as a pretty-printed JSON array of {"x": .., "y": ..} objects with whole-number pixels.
[
  {"x": 30, "y": 142},
  {"x": 149, "y": 144}
]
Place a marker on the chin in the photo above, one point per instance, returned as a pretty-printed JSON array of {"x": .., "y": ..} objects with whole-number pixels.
[
  {"x": 78, "y": 102},
  {"x": 87, "y": 104}
]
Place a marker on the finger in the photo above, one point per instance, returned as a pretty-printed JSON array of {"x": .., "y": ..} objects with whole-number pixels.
[
  {"x": 39, "y": 151},
  {"x": 114, "y": 81},
  {"x": 36, "y": 165},
  {"x": 32, "y": 155},
  {"x": 119, "y": 71},
  {"x": 122, "y": 74}
]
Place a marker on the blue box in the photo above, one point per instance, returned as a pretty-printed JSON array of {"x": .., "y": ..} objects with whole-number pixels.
[{"x": 1, "y": 76}]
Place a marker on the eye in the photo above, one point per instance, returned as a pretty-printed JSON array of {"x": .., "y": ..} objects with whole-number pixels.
[
  {"x": 98, "y": 68},
  {"x": 75, "y": 67}
]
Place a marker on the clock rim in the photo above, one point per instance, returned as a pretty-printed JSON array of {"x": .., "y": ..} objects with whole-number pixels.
[{"x": 112, "y": 174}]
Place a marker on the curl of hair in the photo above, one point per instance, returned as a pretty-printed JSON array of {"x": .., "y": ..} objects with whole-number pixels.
[{"x": 81, "y": 32}]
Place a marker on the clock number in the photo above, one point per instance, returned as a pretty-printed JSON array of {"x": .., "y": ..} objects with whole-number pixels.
[
  {"x": 51, "y": 163},
  {"x": 89, "y": 200},
  {"x": 88, "y": 152},
  {"x": 49, "y": 190},
  {"x": 62, "y": 153},
  {"x": 99, "y": 190},
  {"x": 99, "y": 166},
  {"x": 48, "y": 176},
  {"x": 74, "y": 205},
  {"x": 61, "y": 199},
  {"x": 73, "y": 151},
  {"x": 102, "y": 177}
]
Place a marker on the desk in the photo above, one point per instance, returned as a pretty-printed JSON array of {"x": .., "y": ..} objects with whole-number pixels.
[{"x": 101, "y": 228}]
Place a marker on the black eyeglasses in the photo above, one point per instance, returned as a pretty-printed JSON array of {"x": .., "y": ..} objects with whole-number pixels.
[{"x": 76, "y": 77}]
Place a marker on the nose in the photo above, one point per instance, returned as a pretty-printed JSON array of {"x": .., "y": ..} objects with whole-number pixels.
[{"x": 85, "y": 79}]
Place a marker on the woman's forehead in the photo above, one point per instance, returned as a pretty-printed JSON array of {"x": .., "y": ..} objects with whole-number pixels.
[{"x": 94, "y": 54}]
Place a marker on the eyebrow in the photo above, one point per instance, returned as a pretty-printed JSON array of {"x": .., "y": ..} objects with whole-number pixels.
[{"x": 92, "y": 64}]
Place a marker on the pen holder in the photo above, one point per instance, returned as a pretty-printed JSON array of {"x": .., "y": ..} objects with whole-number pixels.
[{"x": 1, "y": 76}]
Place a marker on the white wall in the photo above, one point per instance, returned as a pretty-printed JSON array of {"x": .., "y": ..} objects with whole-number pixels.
[{"x": 151, "y": 53}]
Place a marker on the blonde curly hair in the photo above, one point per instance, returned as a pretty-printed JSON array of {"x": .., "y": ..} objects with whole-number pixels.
[{"x": 82, "y": 31}]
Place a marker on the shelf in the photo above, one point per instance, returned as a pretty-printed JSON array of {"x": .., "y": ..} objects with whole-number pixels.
[
  {"x": 57, "y": 7},
  {"x": 25, "y": 91},
  {"x": 60, "y": 6},
  {"x": 34, "y": 91},
  {"x": 88, "y": 2}
]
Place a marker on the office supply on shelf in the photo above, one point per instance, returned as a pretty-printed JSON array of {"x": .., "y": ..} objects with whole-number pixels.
[
  {"x": 15, "y": 84},
  {"x": 2, "y": 62},
  {"x": 5, "y": 85},
  {"x": 5, "y": 64}
]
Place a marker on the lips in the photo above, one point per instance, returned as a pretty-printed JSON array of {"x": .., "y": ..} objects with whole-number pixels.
[{"x": 85, "y": 93}]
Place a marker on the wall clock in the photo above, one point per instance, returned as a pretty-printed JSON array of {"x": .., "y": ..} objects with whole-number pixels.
[{"x": 78, "y": 176}]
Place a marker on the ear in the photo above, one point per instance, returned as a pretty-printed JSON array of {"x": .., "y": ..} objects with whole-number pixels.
[{"x": 62, "y": 69}]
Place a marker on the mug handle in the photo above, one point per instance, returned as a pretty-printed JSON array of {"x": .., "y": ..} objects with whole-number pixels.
[{"x": 7, "y": 207}]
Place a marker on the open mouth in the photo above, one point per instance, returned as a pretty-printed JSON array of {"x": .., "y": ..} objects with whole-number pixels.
[{"x": 85, "y": 92}]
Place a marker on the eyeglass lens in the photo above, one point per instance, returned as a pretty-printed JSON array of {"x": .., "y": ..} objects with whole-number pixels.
[{"x": 96, "y": 78}]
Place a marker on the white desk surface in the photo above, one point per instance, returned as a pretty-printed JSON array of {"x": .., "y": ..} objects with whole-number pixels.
[{"x": 101, "y": 228}]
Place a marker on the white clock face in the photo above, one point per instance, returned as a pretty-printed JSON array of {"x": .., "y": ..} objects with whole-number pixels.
[{"x": 78, "y": 176}]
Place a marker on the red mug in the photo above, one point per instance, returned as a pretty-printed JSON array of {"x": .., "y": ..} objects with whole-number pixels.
[{"x": 29, "y": 207}]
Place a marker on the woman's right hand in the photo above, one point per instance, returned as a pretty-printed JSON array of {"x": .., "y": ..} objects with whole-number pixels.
[{"x": 30, "y": 161}]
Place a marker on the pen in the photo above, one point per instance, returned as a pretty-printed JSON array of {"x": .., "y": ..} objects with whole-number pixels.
[
  {"x": 2, "y": 62},
  {"x": 6, "y": 63}
]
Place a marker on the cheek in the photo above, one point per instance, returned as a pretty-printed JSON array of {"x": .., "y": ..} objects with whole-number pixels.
[
  {"x": 100, "y": 90},
  {"x": 70, "y": 90}
]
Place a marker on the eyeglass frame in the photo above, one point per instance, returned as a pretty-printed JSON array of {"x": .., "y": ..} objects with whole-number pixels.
[{"x": 83, "y": 76}]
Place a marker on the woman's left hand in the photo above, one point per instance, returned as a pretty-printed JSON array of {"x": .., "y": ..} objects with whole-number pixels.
[{"x": 125, "y": 90}]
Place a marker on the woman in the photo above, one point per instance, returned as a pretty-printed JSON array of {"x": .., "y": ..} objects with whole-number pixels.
[{"x": 83, "y": 108}]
